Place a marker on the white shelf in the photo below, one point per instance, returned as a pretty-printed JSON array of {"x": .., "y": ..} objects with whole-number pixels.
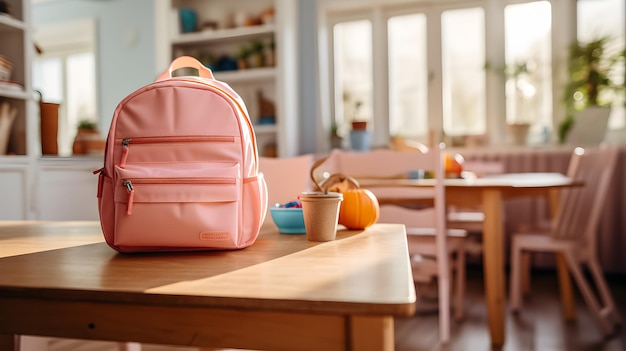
[
  {"x": 269, "y": 88},
  {"x": 265, "y": 128},
  {"x": 14, "y": 160},
  {"x": 223, "y": 35},
  {"x": 246, "y": 75},
  {"x": 14, "y": 93},
  {"x": 8, "y": 23}
]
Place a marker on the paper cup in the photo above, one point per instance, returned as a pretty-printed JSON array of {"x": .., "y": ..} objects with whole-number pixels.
[{"x": 321, "y": 213}]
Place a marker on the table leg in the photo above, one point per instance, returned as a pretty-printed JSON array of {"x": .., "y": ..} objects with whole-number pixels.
[
  {"x": 371, "y": 333},
  {"x": 493, "y": 264}
]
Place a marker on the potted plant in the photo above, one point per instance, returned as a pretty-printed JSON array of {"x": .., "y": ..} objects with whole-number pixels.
[
  {"x": 255, "y": 59},
  {"x": 359, "y": 135},
  {"x": 520, "y": 93},
  {"x": 242, "y": 57},
  {"x": 87, "y": 138},
  {"x": 523, "y": 91},
  {"x": 591, "y": 67}
]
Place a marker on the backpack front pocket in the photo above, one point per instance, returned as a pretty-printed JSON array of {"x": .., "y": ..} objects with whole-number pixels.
[{"x": 187, "y": 205}]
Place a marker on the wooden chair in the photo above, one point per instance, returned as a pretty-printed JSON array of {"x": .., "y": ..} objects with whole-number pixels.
[
  {"x": 286, "y": 178},
  {"x": 422, "y": 211},
  {"x": 573, "y": 234}
]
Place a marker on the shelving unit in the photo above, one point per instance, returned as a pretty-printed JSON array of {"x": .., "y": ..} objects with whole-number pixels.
[
  {"x": 16, "y": 162},
  {"x": 221, "y": 41}
]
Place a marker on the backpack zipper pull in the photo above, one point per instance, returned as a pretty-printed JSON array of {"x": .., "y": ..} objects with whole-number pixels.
[
  {"x": 131, "y": 195},
  {"x": 125, "y": 150}
]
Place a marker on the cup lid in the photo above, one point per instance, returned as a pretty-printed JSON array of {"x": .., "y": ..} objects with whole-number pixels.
[{"x": 321, "y": 195}]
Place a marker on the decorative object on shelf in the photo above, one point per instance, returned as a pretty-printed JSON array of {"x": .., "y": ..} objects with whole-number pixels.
[
  {"x": 591, "y": 68},
  {"x": 5, "y": 7},
  {"x": 226, "y": 63},
  {"x": 6, "y": 67},
  {"x": 49, "y": 126},
  {"x": 256, "y": 58},
  {"x": 267, "y": 16},
  {"x": 267, "y": 109},
  {"x": 270, "y": 54},
  {"x": 242, "y": 57},
  {"x": 188, "y": 20},
  {"x": 7, "y": 116},
  {"x": 88, "y": 140}
]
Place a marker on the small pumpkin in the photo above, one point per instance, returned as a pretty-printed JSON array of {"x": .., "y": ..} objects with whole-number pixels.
[{"x": 359, "y": 209}]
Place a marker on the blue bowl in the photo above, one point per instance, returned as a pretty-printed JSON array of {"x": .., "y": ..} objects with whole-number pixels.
[{"x": 288, "y": 220}]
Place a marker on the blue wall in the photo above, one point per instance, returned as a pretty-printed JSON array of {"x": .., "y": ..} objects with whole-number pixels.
[{"x": 122, "y": 67}]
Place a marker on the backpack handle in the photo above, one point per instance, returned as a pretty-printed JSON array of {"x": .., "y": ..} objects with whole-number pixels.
[{"x": 183, "y": 62}]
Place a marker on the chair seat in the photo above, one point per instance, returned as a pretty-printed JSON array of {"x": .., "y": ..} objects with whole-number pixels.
[
  {"x": 466, "y": 216},
  {"x": 541, "y": 242},
  {"x": 422, "y": 240}
]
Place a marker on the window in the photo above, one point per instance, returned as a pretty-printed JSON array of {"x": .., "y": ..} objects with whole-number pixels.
[
  {"x": 438, "y": 56},
  {"x": 353, "y": 73},
  {"x": 65, "y": 73},
  {"x": 528, "y": 69},
  {"x": 463, "y": 55},
  {"x": 408, "y": 76}
]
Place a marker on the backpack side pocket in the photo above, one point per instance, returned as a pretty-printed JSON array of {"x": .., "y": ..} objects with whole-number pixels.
[{"x": 254, "y": 208}]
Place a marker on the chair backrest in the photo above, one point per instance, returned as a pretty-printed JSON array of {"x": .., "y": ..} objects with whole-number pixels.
[
  {"x": 580, "y": 208},
  {"x": 286, "y": 177}
]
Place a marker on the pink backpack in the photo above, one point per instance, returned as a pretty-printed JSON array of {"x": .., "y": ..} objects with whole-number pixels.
[{"x": 180, "y": 168}]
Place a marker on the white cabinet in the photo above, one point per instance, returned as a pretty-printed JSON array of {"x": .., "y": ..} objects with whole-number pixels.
[
  {"x": 66, "y": 188},
  {"x": 14, "y": 192},
  {"x": 249, "y": 44}
]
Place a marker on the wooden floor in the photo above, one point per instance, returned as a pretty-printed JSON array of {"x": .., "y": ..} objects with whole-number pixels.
[{"x": 539, "y": 326}]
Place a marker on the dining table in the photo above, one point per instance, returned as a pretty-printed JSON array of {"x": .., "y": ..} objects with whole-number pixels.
[
  {"x": 489, "y": 193},
  {"x": 60, "y": 279}
]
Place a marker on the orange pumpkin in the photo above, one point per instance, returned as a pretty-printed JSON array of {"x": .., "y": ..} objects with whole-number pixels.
[
  {"x": 359, "y": 209},
  {"x": 453, "y": 165}
]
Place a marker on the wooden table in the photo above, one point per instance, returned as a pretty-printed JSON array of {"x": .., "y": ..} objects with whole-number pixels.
[
  {"x": 490, "y": 192},
  {"x": 283, "y": 293}
]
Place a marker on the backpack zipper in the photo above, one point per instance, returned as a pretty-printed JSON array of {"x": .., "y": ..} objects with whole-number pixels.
[
  {"x": 128, "y": 183},
  {"x": 175, "y": 139}
]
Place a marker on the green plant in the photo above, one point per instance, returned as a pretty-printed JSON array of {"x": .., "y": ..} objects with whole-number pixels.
[
  {"x": 243, "y": 53},
  {"x": 591, "y": 68},
  {"x": 256, "y": 46},
  {"x": 87, "y": 124}
]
